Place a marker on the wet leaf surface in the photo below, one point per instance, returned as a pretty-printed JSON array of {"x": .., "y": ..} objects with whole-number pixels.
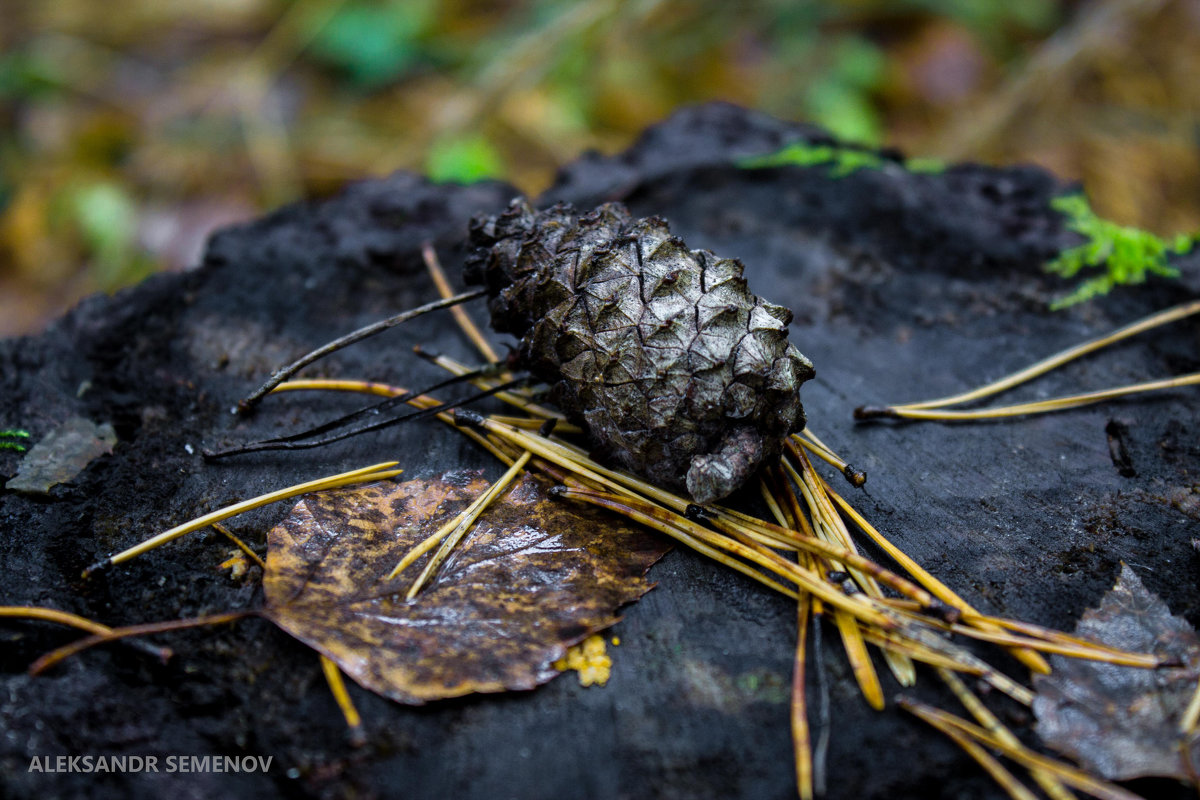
[
  {"x": 62, "y": 455},
  {"x": 1123, "y": 722},
  {"x": 533, "y": 576}
]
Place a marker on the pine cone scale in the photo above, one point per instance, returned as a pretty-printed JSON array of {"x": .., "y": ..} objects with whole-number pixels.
[{"x": 675, "y": 369}]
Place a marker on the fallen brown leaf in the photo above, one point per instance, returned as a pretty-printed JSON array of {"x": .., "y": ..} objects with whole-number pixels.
[
  {"x": 1123, "y": 722},
  {"x": 532, "y": 577}
]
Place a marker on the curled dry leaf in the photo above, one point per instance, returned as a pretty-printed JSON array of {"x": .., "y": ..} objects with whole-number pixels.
[
  {"x": 1123, "y": 722},
  {"x": 533, "y": 576}
]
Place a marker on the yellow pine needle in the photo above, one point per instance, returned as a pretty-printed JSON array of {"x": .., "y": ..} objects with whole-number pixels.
[
  {"x": 826, "y": 519},
  {"x": 54, "y": 615},
  {"x": 472, "y": 332},
  {"x": 949, "y": 657},
  {"x": 1064, "y": 644},
  {"x": 799, "y": 527},
  {"x": 531, "y": 423},
  {"x": 1045, "y": 406},
  {"x": 852, "y": 640},
  {"x": 967, "y": 661},
  {"x": 823, "y": 513},
  {"x": 463, "y": 519},
  {"x": 1049, "y": 783},
  {"x": 361, "y": 387},
  {"x": 801, "y": 734},
  {"x": 810, "y": 442},
  {"x": 759, "y": 532},
  {"x": 574, "y": 458},
  {"x": 783, "y": 535},
  {"x": 860, "y": 660},
  {"x": 245, "y": 548},
  {"x": 463, "y": 523},
  {"x": 1045, "y": 365},
  {"x": 1027, "y": 758},
  {"x": 374, "y": 472},
  {"x": 773, "y": 505},
  {"x": 1105, "y": 655},
  {"x": 894, "y": 641},
  {"x": 995, "y": 770},
  {"x": 1191, "y": 715},
  {"x": 1050, "y": 635},
  {"x": 645, "y": 512},
  {"x": 678, "y": 528},
  {"x": 834, "y": 552},
  {"x": 337, "y": 687},
  {"x": 628, "y": 482},
  {"x": 853, "y": 643},
  {"x": 684, "y": 538},
  {"x": 75, "y": 621},
  {"x": 387, "y": 390},
  {"x": 513, "y": 399},
  {"x": 570, "y": 459},
  {"x": 938, "y": 589}
]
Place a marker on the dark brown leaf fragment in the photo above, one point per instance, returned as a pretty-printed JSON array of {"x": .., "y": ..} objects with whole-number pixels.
[
  {"x": 532, "y": 577},
  {"x": 1123, "y": 722}
]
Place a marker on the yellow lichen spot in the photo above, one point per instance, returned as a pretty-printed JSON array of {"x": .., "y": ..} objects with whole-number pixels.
[
  {"x": 236, "y": 564},
  {"x": 616, "y": 641},
  {"x": 589, "y": 659}
]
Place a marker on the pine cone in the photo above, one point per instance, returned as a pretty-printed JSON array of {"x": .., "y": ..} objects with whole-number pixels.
[{"x": 677, "y": 372}]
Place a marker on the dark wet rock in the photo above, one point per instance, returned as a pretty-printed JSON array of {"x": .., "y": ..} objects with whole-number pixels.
[{"x": 903, "y": 287}]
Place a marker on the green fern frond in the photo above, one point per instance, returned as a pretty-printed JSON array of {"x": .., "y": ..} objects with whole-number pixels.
[
  {"x": 842, "y": 161},
  {"x": 1126, "y": 254},
  {"x": 13, "y": 433}
]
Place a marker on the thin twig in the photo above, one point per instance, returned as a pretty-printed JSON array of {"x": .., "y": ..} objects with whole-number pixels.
[
  {"x": 50, "y": 659},
  {"x": 283, "y": 373}
]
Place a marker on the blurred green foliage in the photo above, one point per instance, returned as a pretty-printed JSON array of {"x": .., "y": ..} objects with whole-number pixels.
[
  {"x": 104, "y": 216},
  {"x": 842, "y": 98},
  {"x": 841, "y": 160},
  {"x": 129, "y": 129},
  {"x": 374, "y": 43},
  {"x": 463, "y": 159}
]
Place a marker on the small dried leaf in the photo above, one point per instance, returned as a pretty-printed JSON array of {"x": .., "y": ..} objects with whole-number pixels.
[
  {"x": 533, "y": 576},
  {"x": 1123, "y": 722},
  {"x": 62, "y": 455}
]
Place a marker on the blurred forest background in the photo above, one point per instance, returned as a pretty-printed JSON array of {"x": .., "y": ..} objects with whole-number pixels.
[{"x": 129, "y": 129}]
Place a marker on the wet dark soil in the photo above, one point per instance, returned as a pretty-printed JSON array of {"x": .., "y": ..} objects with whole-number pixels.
[{"x": 905, "y": 286}]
